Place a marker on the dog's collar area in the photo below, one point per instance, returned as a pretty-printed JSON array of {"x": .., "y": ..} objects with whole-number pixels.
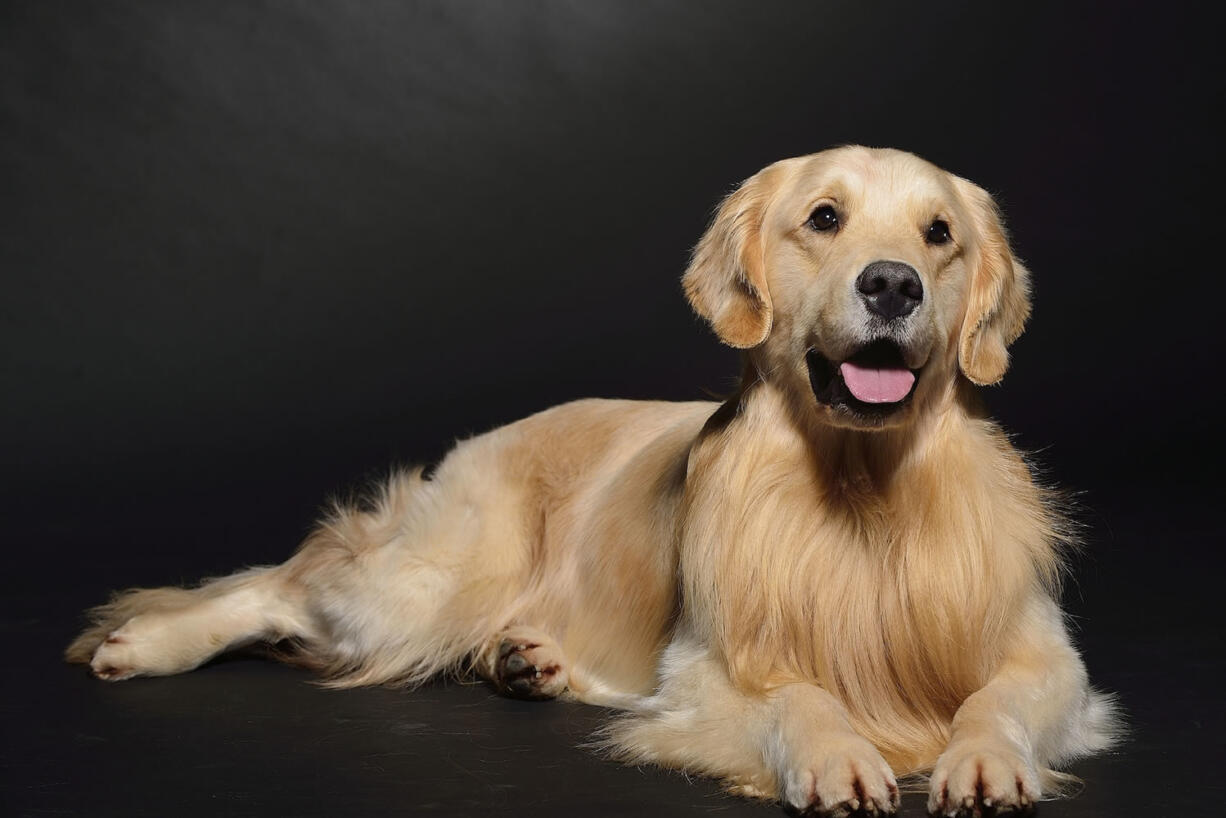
[{"x": 830, "y": 387}]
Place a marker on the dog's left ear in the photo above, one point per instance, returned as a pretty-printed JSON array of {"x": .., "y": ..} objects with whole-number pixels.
[
  {"x": 998, "y": 303},
  {"x": 726, "y": 280}
]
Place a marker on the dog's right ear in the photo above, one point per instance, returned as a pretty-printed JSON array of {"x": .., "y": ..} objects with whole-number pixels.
[{"x": 726, "y": 279}]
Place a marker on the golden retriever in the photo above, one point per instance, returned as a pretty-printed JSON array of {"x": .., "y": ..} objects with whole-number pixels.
[{"x": 842, "y": 574}]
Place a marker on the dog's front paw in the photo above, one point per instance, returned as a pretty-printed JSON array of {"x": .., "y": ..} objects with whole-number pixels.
[
  {"x": 845, "y": 776},
  {"x": 983, "y": 778}
]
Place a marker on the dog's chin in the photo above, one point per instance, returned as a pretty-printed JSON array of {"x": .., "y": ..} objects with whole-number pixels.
[{"x": 879, "y": 375}]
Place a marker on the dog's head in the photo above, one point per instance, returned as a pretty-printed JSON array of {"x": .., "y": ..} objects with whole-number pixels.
[{"x": 862, "y": 280}]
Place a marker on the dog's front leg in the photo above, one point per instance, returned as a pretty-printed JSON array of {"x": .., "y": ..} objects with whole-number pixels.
[
  {"x": 794, "y": 743},
  {"x": 1031, "y": 713},
  {"x": 822, "y": 765}
]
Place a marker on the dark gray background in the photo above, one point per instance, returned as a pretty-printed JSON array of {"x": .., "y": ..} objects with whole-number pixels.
[{"x": 253, "y": 253}]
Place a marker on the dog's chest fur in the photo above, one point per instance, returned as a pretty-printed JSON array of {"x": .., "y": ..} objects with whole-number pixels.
[{"x": 896, "y": 592}]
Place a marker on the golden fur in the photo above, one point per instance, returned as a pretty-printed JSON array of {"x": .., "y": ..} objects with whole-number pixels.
[{"x": 801, "y": 600}]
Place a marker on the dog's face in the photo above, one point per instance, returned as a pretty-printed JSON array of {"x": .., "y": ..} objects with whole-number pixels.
[{"x": 862, "y": 281}]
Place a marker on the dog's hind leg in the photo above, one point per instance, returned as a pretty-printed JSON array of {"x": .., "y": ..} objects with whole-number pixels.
[
  {"x": 361, "y": 602},
  {"x": 160, "y": 631},
  {"x": 393, "y": 592}
]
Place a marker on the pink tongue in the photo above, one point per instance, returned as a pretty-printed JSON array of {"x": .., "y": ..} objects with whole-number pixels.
[{"x": 876, "y": 385}]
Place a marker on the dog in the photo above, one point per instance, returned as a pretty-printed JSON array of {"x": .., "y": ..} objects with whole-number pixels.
[{"x": 841, "y": 575}]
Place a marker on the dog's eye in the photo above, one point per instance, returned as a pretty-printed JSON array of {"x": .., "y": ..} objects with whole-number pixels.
[
  {"x": 938, "y": 232},
  {"x": 823, "y": 218}
]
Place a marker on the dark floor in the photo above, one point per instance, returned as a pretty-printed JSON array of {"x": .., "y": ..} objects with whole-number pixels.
[{"x": 248, "y": 737}]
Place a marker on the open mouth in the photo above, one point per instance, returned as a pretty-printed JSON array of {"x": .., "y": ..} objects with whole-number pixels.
[{"x": 873, "y": 382}]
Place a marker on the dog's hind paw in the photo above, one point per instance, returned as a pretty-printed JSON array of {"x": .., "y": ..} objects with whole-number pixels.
[
  {"x": 118, "y": 657},
  {"x": 530, "y": 665}
]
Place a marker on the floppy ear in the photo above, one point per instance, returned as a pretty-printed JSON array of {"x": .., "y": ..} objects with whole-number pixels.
[
  {"x": 726, "y": 280},
  {"x": 999, "y": 300}
]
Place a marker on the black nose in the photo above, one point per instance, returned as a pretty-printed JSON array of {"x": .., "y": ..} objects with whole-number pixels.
[{"x": 890, "y": 288}]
